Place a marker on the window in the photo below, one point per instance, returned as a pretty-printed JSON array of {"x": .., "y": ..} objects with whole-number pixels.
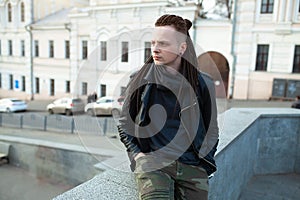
[
  {"x": 52, "y": 87},
  {"x": 0, "y": 80},
  {"x": 267, "y": 6},
  {"x": 22, "y": 11},
  {"x": 22, "y": 48},
  {"x": 262, "y": 57},
  {"x": 124, "y": 52},
  {"x": 68, "y": 88},
  {"x": 51, "y": 49},
  {"x": 11, "y": 82},
  {"x": 147, "y": 52},
  {"x": 103, "y": 50},
  {"x": 9, "y": 12},
  {"x": 84, "y": 49},
  {"x": 37, "y": 85},
  {"x": 36, "y": 48},
  {"x": 67, "y": 49},
  {"x": 84, "y": 88},
  {"x": 296, "y": 65},
  {"x": 10, "y": 48},
  {"x": 102, "y": 90},
  {"x": 23, "y": 83}
]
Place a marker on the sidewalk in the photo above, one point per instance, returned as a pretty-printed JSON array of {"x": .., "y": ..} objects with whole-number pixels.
[{"x": 17, "y": 183}]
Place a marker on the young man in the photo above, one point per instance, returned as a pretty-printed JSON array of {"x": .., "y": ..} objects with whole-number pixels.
[{"x": 169, "y": 118}]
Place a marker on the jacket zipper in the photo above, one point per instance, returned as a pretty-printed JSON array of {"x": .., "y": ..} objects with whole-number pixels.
[{"x": 194, "y": 148}]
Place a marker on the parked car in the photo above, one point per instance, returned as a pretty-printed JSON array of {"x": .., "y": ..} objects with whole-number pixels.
[
  {"x": 12, "y": 105},
  {"x": 66, "y": 106},
  {"x": 105, "y": 106}
]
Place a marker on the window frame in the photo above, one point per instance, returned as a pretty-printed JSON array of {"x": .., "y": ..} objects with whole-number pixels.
[
  {"x": 147, "y": 50},
  {"x": 23, "y": 84},
  {"x": 22, "y": 12},
  {"x": 22, "y": 48},
  {"x": 262, "y": 57},
  {"x": 102, "y": 90},
  {"x": 68, "y": 86},
  {"x": 103, "y": 50},
  {"x": 296, "y": 61},
  {"x": 37, "y": 85},
  {"x": 267, "y": 6},
  {"x": 36, "y": 48},
  {"x": 84, "y": 49},
  {"x": 124, "y": 51},
  {"x": 11, "y": 82},
  {"x": 9, "y": 12},
  {"x": 84, "y": 88},
  {"x": 52, "y": 87},
  {"x": 67, "y": 49},
  {"x": 51, "y": 49},
  {"x": 10, "y": 48}
]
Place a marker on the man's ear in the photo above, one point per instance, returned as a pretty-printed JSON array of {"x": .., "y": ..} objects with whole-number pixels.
[{"x": 182, "y": 47}]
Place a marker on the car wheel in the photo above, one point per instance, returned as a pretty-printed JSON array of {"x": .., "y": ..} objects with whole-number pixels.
[
  {"x": 115, "y": 113},
  {"x": 68, "y": 112},
  {"x": 50, "y": 111},
  {"x": 90, "y": 112}
]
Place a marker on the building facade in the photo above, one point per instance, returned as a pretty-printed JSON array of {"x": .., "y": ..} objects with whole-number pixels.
[
  {"x": 58, "y": 48},
  {"x": 266, "y": 48}
]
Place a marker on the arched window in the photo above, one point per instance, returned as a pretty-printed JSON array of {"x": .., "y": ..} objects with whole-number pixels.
[
  {"x": 22, "y": 11},
  {"x": 9, "y": 12}
]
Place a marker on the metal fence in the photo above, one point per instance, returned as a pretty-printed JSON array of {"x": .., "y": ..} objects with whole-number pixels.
[{"x": 60, "y": 123}]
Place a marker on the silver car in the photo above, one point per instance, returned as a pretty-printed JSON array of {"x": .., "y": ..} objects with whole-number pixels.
[
  {"x": 105, "y": 106},
  {"x": 66, "y": 106}
]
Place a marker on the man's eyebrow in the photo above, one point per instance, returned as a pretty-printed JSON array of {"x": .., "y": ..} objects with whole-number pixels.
[{"x": 161, "y": 41}]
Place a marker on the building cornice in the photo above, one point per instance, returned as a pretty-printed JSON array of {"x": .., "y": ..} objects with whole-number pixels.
[
  {"x": 85, "y": 12},
  {"x": 133, "y": 5},
  {"x": 53, "y": 27}
]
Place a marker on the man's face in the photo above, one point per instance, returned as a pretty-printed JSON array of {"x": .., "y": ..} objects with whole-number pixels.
[{"x": 165, "y": 45}]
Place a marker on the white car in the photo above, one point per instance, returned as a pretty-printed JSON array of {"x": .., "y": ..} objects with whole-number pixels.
[
  {"x": 105, "y": 106},
  {"x": 12, "y": 105},
  {"x": 66, "y": 106}
]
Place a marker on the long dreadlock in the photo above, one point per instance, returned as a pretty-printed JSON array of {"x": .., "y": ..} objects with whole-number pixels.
[{"x": 189, "y": 60}]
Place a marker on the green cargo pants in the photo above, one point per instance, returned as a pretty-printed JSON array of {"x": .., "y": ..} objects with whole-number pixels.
[{"x": 176, "y": 181}]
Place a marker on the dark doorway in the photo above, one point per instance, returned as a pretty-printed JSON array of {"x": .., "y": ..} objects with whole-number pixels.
[{"x": 216, "y": 65}]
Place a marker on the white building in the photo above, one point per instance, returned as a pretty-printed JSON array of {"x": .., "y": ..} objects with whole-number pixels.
[
  {"x": 81, "y": 46},
  {"x": 266, "y": 47}
]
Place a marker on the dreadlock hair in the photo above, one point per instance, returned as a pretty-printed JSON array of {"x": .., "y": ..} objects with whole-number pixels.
[{"x": 189, "y": 60}]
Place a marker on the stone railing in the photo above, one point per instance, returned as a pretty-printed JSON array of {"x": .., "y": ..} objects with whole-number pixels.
[{"x": 252, "y": 142}]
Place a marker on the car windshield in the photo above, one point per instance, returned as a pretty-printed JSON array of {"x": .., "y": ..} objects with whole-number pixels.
[
  {"x": 105, "y": 100},
  {"x": 16, "y": 100},
  {"x": 77, "y": 101}
]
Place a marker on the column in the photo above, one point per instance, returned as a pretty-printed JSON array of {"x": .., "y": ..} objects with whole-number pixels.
[
  {"x": 282, "y": 10},
  {"x": 289, "y": 11}
]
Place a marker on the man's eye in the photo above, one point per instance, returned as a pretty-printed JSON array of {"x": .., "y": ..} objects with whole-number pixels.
[{"x": 162, "y": 44}]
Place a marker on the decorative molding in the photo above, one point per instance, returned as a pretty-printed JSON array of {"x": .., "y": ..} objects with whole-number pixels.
[
  {"x": 14, "y": 2},
  {"x": 3, "y": 2},
  {"x": 283, "y": 28}
]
